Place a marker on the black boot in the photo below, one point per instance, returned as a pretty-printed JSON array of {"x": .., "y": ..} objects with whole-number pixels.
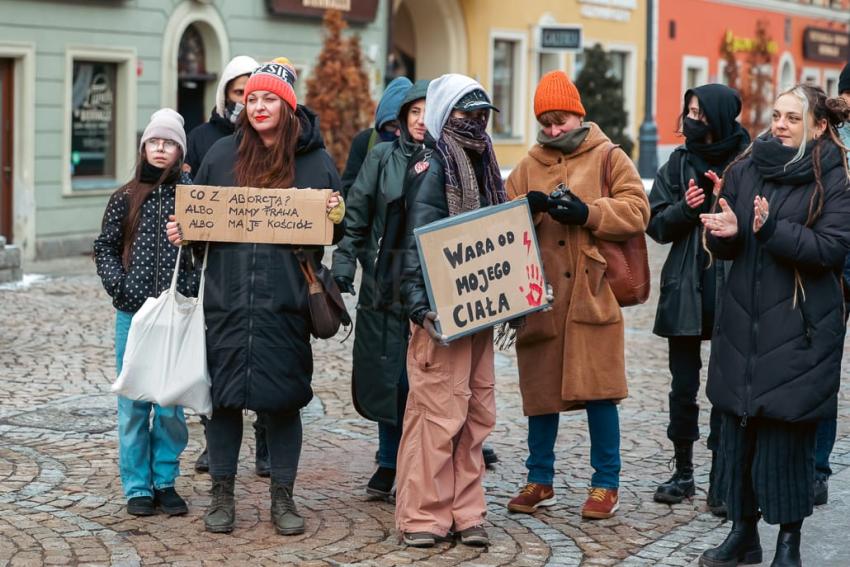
[
  {"x": 381, "y": 484},
  {"x": 681, "y": 484},
  {"x": 490, "y": 456},
  {"x": 716, "y": 488},
  {"x": 203, "y": 462},
  {"x": 741, "y": 547},
  {"x": 788, "y": 546},
  {"x": 262, "y": 464},
  {"x": 221, "y": 515}
]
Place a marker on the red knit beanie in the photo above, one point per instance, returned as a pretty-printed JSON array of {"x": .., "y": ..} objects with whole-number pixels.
[
  {"x": 557, "y": 92},
  {"x": 274, "y": 78}
]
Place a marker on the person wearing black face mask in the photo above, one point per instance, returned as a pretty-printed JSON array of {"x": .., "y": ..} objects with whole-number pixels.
[{"x": 683, "y": 189}]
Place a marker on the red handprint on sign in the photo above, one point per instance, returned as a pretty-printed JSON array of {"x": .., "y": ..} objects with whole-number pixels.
[{"x": 534, "y": 297}]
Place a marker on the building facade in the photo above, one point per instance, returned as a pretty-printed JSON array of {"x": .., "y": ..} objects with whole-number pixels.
[
  {"x": 77, "y": 88},
  {"x": 508, "y": 46},
  {"x": 801, "y": 41}
]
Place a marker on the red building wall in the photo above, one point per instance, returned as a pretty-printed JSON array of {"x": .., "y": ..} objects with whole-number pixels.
[{"x": 696, "y": 28}]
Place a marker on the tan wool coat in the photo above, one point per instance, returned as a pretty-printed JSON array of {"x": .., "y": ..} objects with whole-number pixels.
[{"x": 574, "y": 353}]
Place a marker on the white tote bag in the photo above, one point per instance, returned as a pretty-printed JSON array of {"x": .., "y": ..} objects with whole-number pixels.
[{"x": 165, "y": 361}]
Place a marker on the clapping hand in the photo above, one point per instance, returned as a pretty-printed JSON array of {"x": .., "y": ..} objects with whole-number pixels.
[
  {"x": 762, "y": 210},
  {"x": 723, "y": 224}
]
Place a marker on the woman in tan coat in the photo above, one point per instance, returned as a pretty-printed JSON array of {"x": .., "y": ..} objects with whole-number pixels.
[{"x": 572, "y": 357}]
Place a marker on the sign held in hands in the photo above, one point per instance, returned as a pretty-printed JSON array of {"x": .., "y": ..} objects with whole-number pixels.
[
  {"x": 250, "y": 214},
  {"x": 482, "y": 268}
]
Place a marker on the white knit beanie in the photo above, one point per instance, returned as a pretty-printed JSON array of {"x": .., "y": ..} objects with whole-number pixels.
[
  {"x": 166, "y": 124},
  {"x": 238, "y": 66}
]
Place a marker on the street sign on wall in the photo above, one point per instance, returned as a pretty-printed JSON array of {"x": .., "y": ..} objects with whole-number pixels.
[{"x": 829, "y": 46}]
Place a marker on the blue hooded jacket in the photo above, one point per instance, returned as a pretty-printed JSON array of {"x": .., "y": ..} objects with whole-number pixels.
[{"x": 390, "y": 103}]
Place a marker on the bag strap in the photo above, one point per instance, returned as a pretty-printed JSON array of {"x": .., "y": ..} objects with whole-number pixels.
[
  {"x": 605, "y": 172},
  {"x": 173, "y": 288},
  {"x": 306, "y": 267}
]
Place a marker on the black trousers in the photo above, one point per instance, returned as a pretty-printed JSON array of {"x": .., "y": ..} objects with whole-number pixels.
[
  {"x": 770, "y": 468},
  {"x": 283, "y": 437},
  {"x": 685, "y": 364}
]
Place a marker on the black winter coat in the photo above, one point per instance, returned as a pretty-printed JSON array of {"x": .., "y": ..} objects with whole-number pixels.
[
  {"x": 771, "y": 357},
  {"x": 255, "y": 300},
  {"x": 360, "y": 146},
  {"x": 152, "y": 257},
  {"x": 681, "y": 303},
  {"x": 425, "y": 202},
  {"x": 202, "y": 138}
]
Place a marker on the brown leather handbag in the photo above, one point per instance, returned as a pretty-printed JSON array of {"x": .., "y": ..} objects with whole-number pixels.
[
  {"x": 628, "y": 261},
  {"x": 327, "y": 308}
]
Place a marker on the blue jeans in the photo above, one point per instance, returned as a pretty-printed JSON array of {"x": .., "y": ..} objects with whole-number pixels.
[
  {"x": 389, "y": 436},
  {"x": 603, "y": 421},
  {"x": 824, "y": 440},
  {"x": 148, "y": 452}
]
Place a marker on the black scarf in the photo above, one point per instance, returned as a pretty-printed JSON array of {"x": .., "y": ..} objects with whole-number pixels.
[
  {"x": 720, "y": 105},
  {"x": 772, "y": 160},
  {"x": 567, "y": 143},
  {"x": 461, "y": 135},
  {"x": 152, "y": 174}
]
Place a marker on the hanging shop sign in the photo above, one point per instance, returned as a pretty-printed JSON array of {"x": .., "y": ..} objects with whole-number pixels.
[
  {"x": 828, "y": 46},
  {"x": 355, "y": 11}
]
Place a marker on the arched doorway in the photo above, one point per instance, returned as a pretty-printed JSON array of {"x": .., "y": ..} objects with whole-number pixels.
[
  {"x": 190, "y": 26},
  {"x": 428, "y": 39},
  {"x": 193, "y": 78}
]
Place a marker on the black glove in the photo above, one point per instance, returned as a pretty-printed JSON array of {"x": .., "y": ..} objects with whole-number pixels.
[
  {"x": 538, "y": 201},
  {"x": 345, "y": 285},
  {"x": 568, "y": 211}
]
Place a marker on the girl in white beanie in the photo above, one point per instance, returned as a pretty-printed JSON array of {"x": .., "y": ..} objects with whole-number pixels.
[{"x": 135, "y": 261}]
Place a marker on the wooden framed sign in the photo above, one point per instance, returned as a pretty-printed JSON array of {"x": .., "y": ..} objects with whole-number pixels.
[
  {"x": 482, "y": 268},
  {"x": 249, "y": 214}
]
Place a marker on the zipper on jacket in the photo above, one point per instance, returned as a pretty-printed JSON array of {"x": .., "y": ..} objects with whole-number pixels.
[
  {"x": 251, "y": 323},
  {"x": 158, "y": 238},
  {"x": 754, "y": 331}
]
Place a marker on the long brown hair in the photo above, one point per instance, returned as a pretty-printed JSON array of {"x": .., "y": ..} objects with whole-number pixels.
[
  {"x": 135, "y": 191},
  {"x": 259, "y": 166}
]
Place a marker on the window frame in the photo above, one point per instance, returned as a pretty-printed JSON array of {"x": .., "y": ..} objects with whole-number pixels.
[
  {"x": 125, "y": 115},
  {"x": 694, "y": 62},
  {"x": 520, "y": 87}
]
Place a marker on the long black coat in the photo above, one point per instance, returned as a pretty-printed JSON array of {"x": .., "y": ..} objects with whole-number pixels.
[
  {"x": 680, "y": 304},
  {"x": 771, "y": 357},
  {"x": 255, "y": 299}
]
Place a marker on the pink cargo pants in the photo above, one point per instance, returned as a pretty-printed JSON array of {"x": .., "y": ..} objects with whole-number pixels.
[{"x": 451, "y": 408}]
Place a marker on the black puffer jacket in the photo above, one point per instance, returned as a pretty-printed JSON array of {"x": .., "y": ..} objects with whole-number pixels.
[
  {"x": 152, "y": 257},
  {"x": 255, "y": 300},
  {"x": 202, "y": 138},
  {"x": 771, "y": 357}
]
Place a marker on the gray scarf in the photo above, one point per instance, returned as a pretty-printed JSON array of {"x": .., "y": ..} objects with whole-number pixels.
[{"x": 568, "y": 142}]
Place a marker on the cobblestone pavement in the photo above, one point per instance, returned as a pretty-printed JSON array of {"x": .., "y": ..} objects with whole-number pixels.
[{"x": 61, "y": 502}]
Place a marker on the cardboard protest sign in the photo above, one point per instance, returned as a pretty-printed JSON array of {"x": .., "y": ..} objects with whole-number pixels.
[
  {"x": 482, "y": 268},
  {"x": 249, "y": 214}
]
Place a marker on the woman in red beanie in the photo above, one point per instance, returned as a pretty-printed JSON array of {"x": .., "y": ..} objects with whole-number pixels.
[
  {"x": 255, "y": 305},
  {"x": 585, "y": 320}
]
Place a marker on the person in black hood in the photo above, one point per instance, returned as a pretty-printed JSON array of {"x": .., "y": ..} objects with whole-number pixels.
[
  {"x": 686, "y": 308},
  {"x": 258, "y": 320},
  {"x": 774, "y": 371},
  {"x": 228, "y": 106}
]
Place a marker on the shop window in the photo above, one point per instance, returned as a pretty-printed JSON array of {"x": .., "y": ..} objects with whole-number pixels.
[
  {"x": 93, "y": 100},
  {"x": 507, "y": 57},
  {"x": 100, "y": 138}
]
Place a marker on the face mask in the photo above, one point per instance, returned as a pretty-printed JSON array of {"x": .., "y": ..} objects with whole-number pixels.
[
  {"x": 695, "y": 130},
  {"x": 233, "y": 110}
]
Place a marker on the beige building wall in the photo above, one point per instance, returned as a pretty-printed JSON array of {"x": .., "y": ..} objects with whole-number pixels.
[{"x": 619, "y": 25}]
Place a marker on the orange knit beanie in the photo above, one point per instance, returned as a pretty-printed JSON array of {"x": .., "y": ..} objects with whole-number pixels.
[{"x": 557, "y": 92}]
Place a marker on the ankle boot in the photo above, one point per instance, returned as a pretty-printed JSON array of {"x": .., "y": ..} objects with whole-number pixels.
[
  {"x": 285, "y": 517},
  {"x": 681, "y": 484},
  {"x": 788, "y": 546},
  {"x": 221, "y": 515},
  {"x": 716, "y": 488},
  {"x": 741, "y": 547}
]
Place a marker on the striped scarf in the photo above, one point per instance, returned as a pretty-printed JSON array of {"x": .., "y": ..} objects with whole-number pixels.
[{"x": 462, "y": 191}]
